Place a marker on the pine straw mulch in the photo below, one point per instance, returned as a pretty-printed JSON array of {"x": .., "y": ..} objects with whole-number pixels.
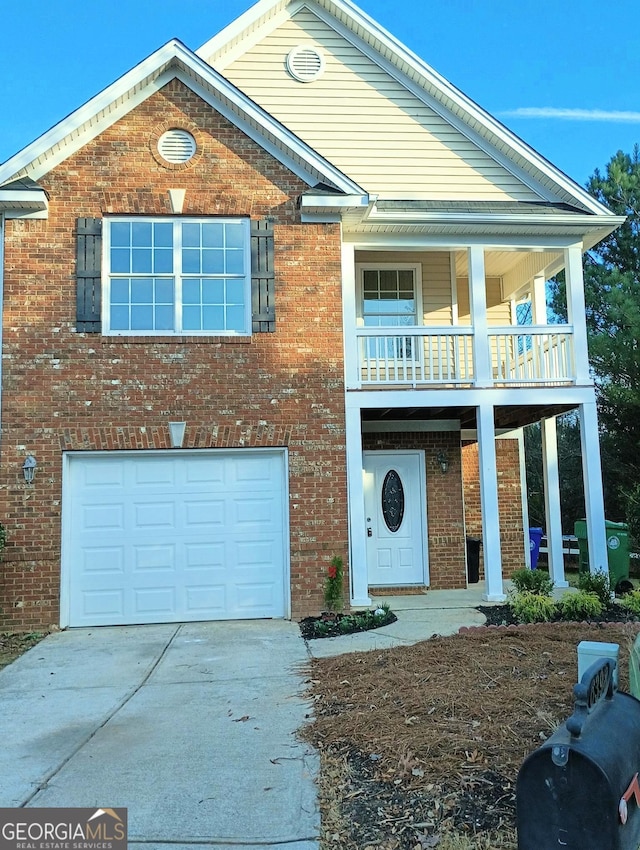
[{"x": 421, "y": 745}]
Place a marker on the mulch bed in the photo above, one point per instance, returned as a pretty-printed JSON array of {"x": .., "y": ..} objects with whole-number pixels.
[
  {"x": 428, "y": 739},
  {"x": 335, "y": 625},
  {"x": 502, "y": 615}
]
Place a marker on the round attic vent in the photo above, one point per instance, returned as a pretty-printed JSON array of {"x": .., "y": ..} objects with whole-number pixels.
[
  {"x": 176, "y": 146},
  {"x": 305, "y": 63}
]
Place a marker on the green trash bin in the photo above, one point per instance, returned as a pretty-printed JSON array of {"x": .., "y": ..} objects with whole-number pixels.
[{"x": 617, "y": 550}]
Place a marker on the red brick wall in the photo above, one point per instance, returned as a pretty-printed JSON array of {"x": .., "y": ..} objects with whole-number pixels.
[
  {"x": 509, "y": 501},
  {"x": 445, "y": 512},
  {"x": 66, "y": 391}
]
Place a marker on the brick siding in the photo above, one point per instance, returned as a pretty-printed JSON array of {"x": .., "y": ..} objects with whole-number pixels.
[{"x": 64, "y": 391}]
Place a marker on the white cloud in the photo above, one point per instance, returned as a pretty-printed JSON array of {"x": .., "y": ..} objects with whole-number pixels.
[{"x": 562, "y": 114}]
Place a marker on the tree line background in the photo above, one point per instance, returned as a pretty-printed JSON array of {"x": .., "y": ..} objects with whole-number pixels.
[{"x": 612, "y": 289}]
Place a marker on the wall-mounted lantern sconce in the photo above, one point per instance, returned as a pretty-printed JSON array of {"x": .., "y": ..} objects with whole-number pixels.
[
  {"x": 176, "y": 434},
  {"x": 29, "y": 468},
  {"x": 443, "y": 461}
]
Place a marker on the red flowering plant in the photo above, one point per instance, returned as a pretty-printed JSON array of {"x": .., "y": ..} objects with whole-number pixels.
[{"x": 333, "y": 598}]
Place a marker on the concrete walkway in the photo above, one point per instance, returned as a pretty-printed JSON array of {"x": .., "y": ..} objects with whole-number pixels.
[
  {"x": 190, "y": 727},
  {"x": 436, "y": 612}
]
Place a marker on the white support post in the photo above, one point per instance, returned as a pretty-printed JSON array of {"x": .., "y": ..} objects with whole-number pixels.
[
  {"x": 349, "y": 317},
  {"x": 478, "y": 302},
  {"x": 553, "y": 519},
  {"x": 593, "y": 495},
  {"x": 494, "y": 591},
  {"x": 359, "y": 582},
  {"x": 524, "y": 498},
  {"x": 539, "y": 300},
  {"x": 576, "y": 310}
]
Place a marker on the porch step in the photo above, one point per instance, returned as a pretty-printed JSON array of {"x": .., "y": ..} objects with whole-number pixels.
[{"x": 413, "y": 590}]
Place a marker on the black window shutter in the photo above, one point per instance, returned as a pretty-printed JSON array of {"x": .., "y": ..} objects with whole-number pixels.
[
  {"x": 88, "y": 275},
  {"x": 263, "y": 309}
]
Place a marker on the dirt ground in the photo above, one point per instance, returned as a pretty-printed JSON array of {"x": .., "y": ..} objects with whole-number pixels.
[
  {"x": 421, "y": 745},
  {"x": 12, "y": 645}
]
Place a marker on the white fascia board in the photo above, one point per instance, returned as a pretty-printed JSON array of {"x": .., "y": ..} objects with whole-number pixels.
[
  {"x": 335, "y": 201},
  {"x": 499, "y": 397},
  {"x": 416, "y": 241},
  {"x": 573, "y": 220},
  {"x": 468, "y": 106},
  {"x": 26, "y": 200},
  {"x": 138, "y": 84}
]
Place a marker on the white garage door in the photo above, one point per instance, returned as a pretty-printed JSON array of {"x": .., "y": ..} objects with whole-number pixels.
[{"x": 173, "y": 536}]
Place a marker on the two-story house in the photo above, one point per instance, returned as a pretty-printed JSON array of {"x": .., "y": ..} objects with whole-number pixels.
[{"x": 259, "y": 310}]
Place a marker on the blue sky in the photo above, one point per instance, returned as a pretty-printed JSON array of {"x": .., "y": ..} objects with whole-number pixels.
[{"x": 562, "y": 75}]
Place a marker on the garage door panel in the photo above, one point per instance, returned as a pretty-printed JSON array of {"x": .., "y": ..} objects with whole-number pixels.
[
  {"x": 209, "y": 601},
  {"x": 103, "y": 517},
  {"x": 204, "y": 513},
  {"x": 95, "y": 474},
  {"x": 253, "y": 599},
  {"x": 154, "y": 558},
  {"x": 103, "y": 606},
  {"x": 198, "y": 537},
  {"x": 103, "y": 559},
  {"x": 161, "y": 473},
  {"x": 155, "y": 601},
  {"x": 206, "y": 555}
]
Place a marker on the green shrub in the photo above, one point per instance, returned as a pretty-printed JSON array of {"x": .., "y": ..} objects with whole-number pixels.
[
  {"x": 597, "y": 583},
  {"x": 532, "y": 581},
  {"x": 631, "y": 601},
  {"x": 333, "y": 585},
  {"x": 583, "y": 605},
  {"x": 529, "y": 607}
]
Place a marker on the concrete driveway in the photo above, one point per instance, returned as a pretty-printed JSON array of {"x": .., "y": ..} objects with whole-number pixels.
[{"x": 190, "y": 727}]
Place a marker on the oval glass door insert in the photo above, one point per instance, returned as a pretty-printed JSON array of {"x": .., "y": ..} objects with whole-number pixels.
[{"x": 392, "y": 500}]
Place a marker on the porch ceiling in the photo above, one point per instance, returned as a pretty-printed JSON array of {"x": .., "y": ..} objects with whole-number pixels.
[{"x": 506, "y": 418}]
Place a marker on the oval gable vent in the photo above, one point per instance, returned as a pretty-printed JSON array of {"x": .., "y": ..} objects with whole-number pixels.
[
  {"x": 305, "y": 63},
  {"x": 176, "y": 146}
]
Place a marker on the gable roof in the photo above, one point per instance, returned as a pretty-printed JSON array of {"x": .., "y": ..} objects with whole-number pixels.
[
  {"x": 456, "y": 108},
  {"x": 175, "y": 60}
]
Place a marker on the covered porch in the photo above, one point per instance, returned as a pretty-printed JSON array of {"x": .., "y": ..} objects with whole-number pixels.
[{"x": 422, "y": 479}]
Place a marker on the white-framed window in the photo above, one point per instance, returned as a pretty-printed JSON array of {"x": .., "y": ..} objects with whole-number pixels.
[
  {"x": 165, "y": 276},
  {"x": 390, "y": 296}
]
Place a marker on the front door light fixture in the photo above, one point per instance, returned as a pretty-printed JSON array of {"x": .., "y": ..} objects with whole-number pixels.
[{"x": 29, "y": 468}]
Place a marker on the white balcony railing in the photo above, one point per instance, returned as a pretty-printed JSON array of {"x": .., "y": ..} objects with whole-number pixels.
[
  {"x": 532, "y": 355},
  {"x": 429, "y": 356}
]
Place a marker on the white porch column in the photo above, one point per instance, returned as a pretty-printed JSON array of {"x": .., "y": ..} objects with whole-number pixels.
[
  {"x": 576, "y": 311},
  {"x": 478, "y": 302},
  {"x": 553, "y": 519},
  {"x": 524, "y": 498},
  {"x": 358, "y": 578},
  {"x": 349, "y": 313},
  {"x": 494, "y": 591},
  {"x": 593, "y": 496},
  {"x": 539, "y": 300}
]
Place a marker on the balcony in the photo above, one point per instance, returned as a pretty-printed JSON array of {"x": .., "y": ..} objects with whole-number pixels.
[{"x": 522, "y": 356}]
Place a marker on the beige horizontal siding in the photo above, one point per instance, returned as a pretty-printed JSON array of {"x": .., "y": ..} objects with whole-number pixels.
[
  {"x": 498, "y": 311},
  {"x": 366, "y": 123}
]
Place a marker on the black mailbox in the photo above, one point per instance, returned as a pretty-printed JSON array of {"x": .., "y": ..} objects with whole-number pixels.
[{"x": 580, "y": 789}]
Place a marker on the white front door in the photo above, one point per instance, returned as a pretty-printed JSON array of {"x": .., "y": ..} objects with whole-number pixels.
[{"x": 395, "y": 514}]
